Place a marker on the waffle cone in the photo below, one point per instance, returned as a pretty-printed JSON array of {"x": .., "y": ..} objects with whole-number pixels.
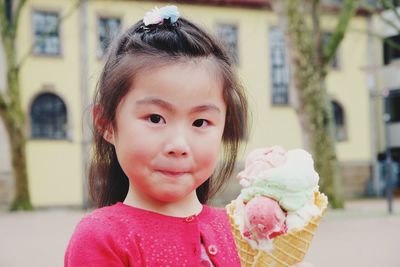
[{"x": 288, "y": 249}]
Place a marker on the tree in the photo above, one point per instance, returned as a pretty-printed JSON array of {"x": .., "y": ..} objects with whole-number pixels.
[
  {"x": 11, "y": 110},
  {"x": 309, "y": 61},
  {"x": 10, "y": 103},
  {"x": 389, "y": 13}
]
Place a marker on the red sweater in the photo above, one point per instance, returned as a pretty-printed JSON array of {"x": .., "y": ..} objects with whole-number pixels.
[{"x": 122, "y": 235}]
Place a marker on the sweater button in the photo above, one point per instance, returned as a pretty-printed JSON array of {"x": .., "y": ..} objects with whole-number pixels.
[
  {"x": 189, "y": 219},
  {"x": 212, "y": 249}
]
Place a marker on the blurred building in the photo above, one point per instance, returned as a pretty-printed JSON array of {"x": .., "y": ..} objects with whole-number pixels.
[
  {"x": 59, "y": 78},
  {"x": 384, "y": 88}
]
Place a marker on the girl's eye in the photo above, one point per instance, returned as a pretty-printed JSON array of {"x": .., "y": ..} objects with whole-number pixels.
[
  {"x": 155, "y": 118},
  {"x": 200, "y": 123}
]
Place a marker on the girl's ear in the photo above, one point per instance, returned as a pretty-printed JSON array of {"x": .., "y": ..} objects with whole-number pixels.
[
  {"x": 102, "y": 124},
  {"x": 109, "y": 134}
]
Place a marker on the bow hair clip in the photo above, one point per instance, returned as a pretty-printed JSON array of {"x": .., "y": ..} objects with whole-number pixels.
[{"x": 157, "y": 16}]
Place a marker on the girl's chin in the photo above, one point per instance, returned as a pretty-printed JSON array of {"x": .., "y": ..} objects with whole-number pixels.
[{"x": 173, "y": 196}]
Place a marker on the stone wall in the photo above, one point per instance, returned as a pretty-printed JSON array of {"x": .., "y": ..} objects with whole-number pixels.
[
  {"x": 355, "y": 178},
  {"x": 6, "y": 190}
]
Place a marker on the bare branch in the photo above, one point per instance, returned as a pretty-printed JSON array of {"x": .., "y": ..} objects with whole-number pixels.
[
  {"x": 389, "y": 5},
  {"x": 3, "y": 20},
  {"x": 315, "y": 11},
  {"x": 387, "y": 21},
  {"x": 373, "y": 10},
  {"x": 297, "y": 28},
  {"x": 65, "y": 16},
  {"x": 17, "y": 14},
  {"x": 346, "y": 13}
]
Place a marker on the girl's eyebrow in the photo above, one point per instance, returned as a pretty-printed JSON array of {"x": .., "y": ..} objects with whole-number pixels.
[
  {"x": 155, "y": 101},
  {"x": 168, "y": 106}
]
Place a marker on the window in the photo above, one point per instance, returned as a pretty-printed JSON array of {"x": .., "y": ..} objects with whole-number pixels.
[
  {"x": 392, "y": 106},
  {"x": 335, "y": 60},
  {"x": 279, "y": 68},
  {"x": 108, "y": 29},
  {"x": 391, "y": 49},
  {"x": 48, "y": 117},
  {"x": 46, "y": 33},
  {"x": 228, "y": 33},
  {"x": 340, "y": 126}
]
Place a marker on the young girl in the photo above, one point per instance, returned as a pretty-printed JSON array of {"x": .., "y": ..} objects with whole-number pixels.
[{"x": 166, "y": 101}]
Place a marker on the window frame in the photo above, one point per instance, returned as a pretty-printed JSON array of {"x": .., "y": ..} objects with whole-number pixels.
[
  {"x": 389, "y": 103},
  {"x": 286, "y": 63},
  {"x": 343, "y": 127},
  {"x": 388, "y": 51},
  {"x": 236, "y": 58},
  {"x": 99, "y": 16},
  {"x": 66, "y": 135},
  {"x": 33, "y": 32}
]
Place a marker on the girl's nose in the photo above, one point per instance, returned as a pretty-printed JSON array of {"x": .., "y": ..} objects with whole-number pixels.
[{"x": 177, "y": 146}]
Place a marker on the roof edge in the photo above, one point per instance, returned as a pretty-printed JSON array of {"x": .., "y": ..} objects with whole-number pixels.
[{"x": 266, "y": 4}]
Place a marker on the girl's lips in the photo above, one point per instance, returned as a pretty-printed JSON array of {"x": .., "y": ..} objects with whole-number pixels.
[{"x": 172, "y": 173}]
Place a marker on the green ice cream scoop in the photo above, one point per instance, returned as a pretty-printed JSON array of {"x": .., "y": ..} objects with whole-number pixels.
[{"x": 291, "y": 184}]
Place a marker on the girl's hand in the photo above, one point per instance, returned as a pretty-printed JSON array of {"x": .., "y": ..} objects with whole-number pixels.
[{"x": 303, "y": 264}]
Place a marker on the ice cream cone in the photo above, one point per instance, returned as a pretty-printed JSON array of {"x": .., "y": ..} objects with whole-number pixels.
[{"x": 287, "y": 250}]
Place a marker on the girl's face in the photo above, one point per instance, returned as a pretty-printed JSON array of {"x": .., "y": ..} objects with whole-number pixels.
[{"x": 169, "y": 129}]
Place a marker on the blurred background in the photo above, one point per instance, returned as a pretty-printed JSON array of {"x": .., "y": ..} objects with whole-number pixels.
[{"x": 50, "y": 58}]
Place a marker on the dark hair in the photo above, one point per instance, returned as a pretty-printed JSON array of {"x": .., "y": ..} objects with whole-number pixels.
[{"x": 141, "y": 47}]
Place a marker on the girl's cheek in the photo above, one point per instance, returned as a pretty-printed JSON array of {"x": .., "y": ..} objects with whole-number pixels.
[{"x": 210, "y": 150}]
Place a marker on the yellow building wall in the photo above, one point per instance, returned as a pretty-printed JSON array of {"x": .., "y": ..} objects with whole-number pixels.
[
  {"x": 54, "y": 166},
  {"x": 348, "y": 85},
  {"x": 55, "y": 173}
]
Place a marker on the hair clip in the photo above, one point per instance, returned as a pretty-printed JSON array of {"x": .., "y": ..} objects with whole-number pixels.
[{"x": 157, "y": 16}]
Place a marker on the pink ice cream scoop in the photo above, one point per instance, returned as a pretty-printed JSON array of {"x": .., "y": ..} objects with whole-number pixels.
[
  {"x": 264, "y": 218},
  {"x": 259, "y": 161}
]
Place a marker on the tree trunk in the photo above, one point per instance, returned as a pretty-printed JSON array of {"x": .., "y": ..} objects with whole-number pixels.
[
  {"x": 14, "y": 120},
  {"x": 22, "y": 198},
  {"x": 10, "y": 101},
  {"x": 11, "y": 111},
  {"x": 318, "y": 110},
  {"x": 309, "y": 98}
]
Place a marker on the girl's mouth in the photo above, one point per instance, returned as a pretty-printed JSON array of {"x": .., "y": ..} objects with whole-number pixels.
[{"x": 172, "y": 173}]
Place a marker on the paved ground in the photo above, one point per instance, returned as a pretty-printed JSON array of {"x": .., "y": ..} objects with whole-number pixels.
[{"x": 361, "y": 236}]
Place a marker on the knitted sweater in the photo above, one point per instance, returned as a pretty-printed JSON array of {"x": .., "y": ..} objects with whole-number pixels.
[{"x": 122, "y": 235}]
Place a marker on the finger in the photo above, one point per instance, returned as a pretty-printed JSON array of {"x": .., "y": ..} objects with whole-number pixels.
[{"x": 303, "y": 264}]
